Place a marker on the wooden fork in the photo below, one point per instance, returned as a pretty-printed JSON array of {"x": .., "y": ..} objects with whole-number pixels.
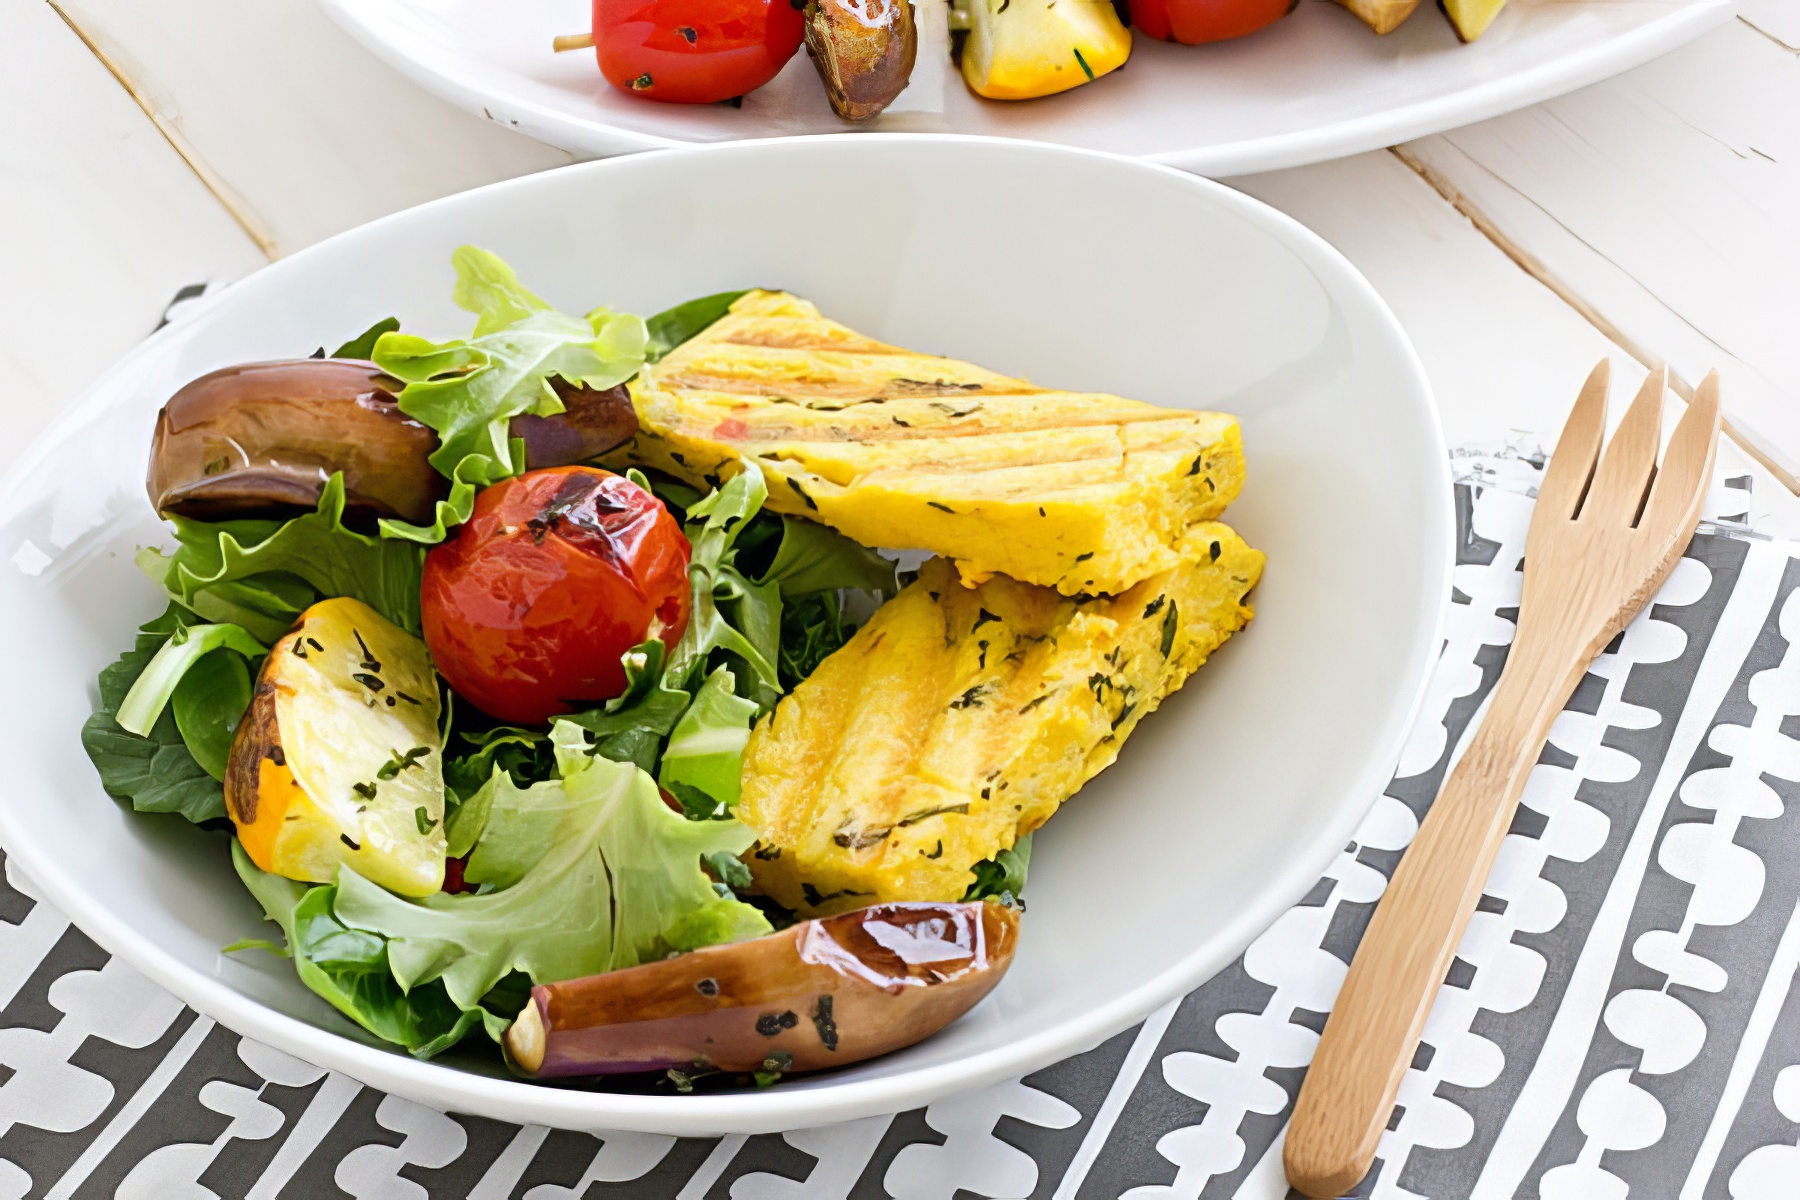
[{"x": 1601, "y": 541}]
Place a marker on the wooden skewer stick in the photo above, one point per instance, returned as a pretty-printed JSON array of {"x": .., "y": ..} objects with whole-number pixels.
[{"x": 573, "y": 41}]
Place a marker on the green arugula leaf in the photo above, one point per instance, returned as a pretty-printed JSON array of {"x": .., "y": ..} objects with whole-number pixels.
[
  {"x": 263, "y": 574},
  {"x": 468, "y": 390},
  {"x": 523, "y": 754},
  {"x": 673, "y": 326},
  {"x": 812, "y": 629},
  {"x": 620, "y": 883},
  {"x": 157, "y": 772},
  {"x": 349, "y": 968}
]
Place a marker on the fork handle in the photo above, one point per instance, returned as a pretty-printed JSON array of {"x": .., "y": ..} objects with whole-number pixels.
[{"x": 1374, "y": 1028}]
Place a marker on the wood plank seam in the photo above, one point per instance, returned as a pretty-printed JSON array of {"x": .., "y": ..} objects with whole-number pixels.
[
  {"x": 240, "y": 212},
  {"x": 1538, "y": 270},
  {"x": 1770, "y": 36}
]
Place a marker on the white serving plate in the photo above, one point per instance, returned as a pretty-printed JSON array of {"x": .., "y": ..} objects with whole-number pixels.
[
  {"x": 1315, "y": 85},
  {"x": 1224, "y": 806}
]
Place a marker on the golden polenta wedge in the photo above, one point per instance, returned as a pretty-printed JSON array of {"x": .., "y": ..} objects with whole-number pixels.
[
  {"x": 1078, "y": 491},
  {"x": 958, "y": 719}
]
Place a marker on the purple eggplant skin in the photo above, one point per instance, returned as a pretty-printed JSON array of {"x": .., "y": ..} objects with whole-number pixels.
[
  {"x": 822, "y": 993},
  {"x": 260, "y": 440},
  {"x": 863, "y": 50}
]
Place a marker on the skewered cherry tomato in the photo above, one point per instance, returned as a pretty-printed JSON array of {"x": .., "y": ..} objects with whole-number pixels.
[
  {"x": 1193, "y": 22},
  {"x": 558, "y": 572},
  {"x": 694, "y": 51}
]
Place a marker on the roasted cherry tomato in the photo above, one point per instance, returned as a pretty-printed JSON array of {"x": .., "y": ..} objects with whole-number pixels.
[
  {"x": 558, "y": 572},
  {"x": 1192, "y": 22},
  {"x": 694, "y": 51}
]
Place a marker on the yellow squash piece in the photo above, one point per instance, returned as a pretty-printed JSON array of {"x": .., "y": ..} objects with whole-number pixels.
[
  {"x": 1083, "y": 492},
  {"x": 1470, "y": 18},
  {"x": 339, "y": 759},
  {"x": 1020, "y": 49},
  {"x": 1383, "y": 16},
  {"x": 957, "y": 720}
]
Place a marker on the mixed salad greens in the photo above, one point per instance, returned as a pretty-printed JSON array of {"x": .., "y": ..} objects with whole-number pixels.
[{"x": 597, "y": 840}]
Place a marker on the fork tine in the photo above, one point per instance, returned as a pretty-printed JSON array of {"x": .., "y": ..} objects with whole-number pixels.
[
  {"x": 1623, "y": 476},
  {"x": 1681, "y": 483},
  {"x": 1577, "y": 449}
]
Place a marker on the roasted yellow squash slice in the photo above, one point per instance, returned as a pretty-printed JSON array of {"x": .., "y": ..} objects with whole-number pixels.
[
  {"x": 339, "y": 758},
  {"x": 958, "y": 719},
  {"x": 1082, "y": 492}
]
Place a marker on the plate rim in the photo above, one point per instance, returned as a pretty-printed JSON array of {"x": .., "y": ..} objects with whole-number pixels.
[
  {"x": 775, "y": 1110},
  {"x": 1373, "y": 131}
]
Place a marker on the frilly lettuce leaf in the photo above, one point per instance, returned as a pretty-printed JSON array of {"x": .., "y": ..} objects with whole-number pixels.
[
  {"x": 706, "y": 748},
  {"x": 349, "y": 968},
  {"x": 469, "y": 390},
  {"x": 262, "y": 574},
  {"x": 732, "y": 615},
  {"x": 619, "y": 882}
]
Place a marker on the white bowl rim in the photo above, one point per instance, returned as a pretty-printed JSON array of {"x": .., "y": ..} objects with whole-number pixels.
[{"x": 777, "y": 1109}]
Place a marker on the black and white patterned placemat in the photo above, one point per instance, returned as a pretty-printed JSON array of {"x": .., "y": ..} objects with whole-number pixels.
[{"x": 1621, "y": 1021}]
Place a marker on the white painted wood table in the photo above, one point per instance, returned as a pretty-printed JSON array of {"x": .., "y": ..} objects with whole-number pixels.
[{"x": 1654, "y": 218}]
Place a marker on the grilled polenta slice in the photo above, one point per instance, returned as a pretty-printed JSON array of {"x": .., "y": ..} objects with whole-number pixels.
[
  {"x": 1078, "y": 491},
  {"x": 958, "y": 719}
]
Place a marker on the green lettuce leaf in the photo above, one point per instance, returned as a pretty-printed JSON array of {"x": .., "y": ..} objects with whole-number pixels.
[
  {"x": 517, "y": 828},
  {"x": 631, "y": 727},
  {"x": 673, "y": 326},
  {"x": 151, "y": 691},
  {"x": 349, "y": 969},
  {"x": 363, "y": 344},
  {"x": 263, "y": 574},
  {"x": 816, "y": 558},
  {"x": 733, "y": 622},
  {"x": 732, "y": 615},
  {"x": 209, "y": 703},
  {"x": 155, "y": 772},
  {"x": 468, "y": 390},
  {"x": 705, "y": 752},
  {"x": 619, "y": 883},
  {"x": 1002, "y": 877}
]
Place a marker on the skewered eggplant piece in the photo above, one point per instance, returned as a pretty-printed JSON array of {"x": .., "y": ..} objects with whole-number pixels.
[
  {"x": 819, "y": 994},
  {"x": 864, "y": 51},
  {"x": 261, "y": 439}
]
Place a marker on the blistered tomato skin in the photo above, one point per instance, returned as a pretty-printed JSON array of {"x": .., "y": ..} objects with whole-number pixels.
[
  {"x": 530, "y": 603},
  {"x": 694, "y": 51}
]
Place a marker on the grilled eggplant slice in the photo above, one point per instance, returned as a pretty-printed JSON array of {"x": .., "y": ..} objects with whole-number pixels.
[
  {"x": 818, "y": 994},
  {"x": 339, "y": 759},
  {"x": 261, "y": 439},
  {"x": 957, "y": 720},
  {"x": 1081, "y": 492},
  {"x": 864, "y": 51}
]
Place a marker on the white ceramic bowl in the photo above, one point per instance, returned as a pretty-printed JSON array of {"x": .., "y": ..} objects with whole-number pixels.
[{"x": 1076, "y": 269}]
